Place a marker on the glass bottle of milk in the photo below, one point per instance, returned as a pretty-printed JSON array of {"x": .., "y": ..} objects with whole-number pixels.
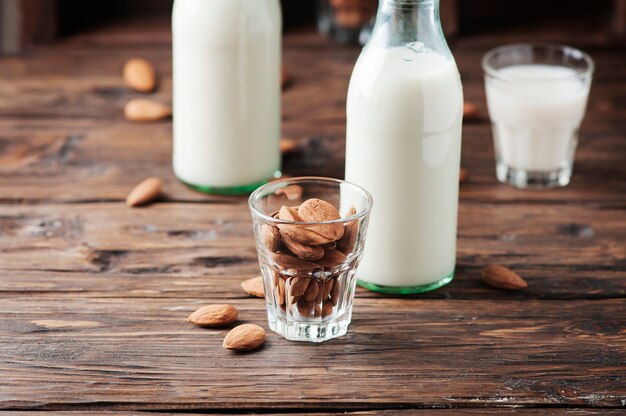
[
  {"x": 405, "y": 107},
  {"x": 226, "y": 81}
]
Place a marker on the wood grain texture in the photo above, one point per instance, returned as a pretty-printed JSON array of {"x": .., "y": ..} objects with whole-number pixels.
[
  {"x": 395, "y": 412},
  {"x": 169, "y": 249},
  {"x": 94, "y": 295},
  {"x": 144, "y": 355}
]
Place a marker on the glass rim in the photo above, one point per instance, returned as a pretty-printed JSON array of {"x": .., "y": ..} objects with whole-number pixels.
[
  {"x": 564, "y": 49},
  {"x": 297, "y": 180}
]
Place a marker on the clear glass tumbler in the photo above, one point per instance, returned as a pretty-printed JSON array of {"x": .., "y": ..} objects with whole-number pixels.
[
  {"x": 309, "y": 267},
  {"x": 537, "y": 95}
]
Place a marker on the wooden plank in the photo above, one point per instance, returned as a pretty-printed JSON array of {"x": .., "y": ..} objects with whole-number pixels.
[
  {"x": 173, "y": 249},
  {"x": 395, "y": 412},
  {"x": 80, "y": 353},
  {"x": 93, "y": 295},
  {"x": 36, "y": 163},
  {"x": 40, "y": 151}
]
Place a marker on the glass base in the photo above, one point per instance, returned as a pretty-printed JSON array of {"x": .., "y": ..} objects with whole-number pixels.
[
  {"x": 228, "y": 190},
  {"x": 406, "y": 290},
  {"x": 522, "y": 179},
  {"x": 309, "y": 331}
]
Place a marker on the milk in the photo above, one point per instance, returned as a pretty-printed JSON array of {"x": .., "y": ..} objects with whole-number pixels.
[
  {"x": 536, "y": 111},
  {"x": 403, "y": 145},
  {"x": 226, "y": 64}
]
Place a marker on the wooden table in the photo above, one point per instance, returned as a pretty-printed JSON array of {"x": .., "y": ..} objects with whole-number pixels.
[{"x": 94, "y": 295}]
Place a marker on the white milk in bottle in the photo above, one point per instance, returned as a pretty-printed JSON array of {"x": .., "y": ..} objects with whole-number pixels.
[
  {"x": 404, "y": 115},
  {"x": 226, "y": 75}
]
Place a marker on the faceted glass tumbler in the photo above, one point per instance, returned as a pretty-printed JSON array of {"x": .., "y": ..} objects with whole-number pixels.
[{"x": 309, "y": 299}]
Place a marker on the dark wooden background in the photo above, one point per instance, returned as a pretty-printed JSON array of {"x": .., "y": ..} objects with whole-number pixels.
[{"x": 94, "y": 295}]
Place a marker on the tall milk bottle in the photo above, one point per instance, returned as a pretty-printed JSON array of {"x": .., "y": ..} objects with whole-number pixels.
[
  {"x": 226, "y": 75},
  {"x": 404, "y": 110}
]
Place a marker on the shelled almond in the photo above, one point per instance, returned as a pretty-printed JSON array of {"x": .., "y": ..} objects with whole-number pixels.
[
  {"x": 503, "y": 278},
  {"x": 244, "y": 337},
  {"x": 214, "y": 316},
  {"x": 144, "y": 110},
  {"x": 308, "y": 256},
  {"x": 140, "y": 75},
  {"x": 145, "y": 192}
]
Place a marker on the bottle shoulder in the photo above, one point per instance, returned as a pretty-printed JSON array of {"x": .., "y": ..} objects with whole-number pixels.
[{"x": 403, "y": 63}]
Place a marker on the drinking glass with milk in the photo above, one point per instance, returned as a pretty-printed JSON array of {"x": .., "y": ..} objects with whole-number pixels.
[
  {"x": 404, "y": 113},
  {"x": 537, "y": 95},
  {"x": 226, "y": 74}
]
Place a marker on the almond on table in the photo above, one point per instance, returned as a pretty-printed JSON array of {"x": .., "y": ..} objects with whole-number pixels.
[
  {"x": 470, "y": 111},
  {"x": 214, "y": 316},
  {"x": 147, "y": 191},
  {"x": 244, "y": 338},
  {"x": 503, "y": 278},
  {"x": 254, "y": 286},
  {"x": 144, "y": 110},
  {"x": 288, "y": 145},
  {"x": 140, "y": 75}
]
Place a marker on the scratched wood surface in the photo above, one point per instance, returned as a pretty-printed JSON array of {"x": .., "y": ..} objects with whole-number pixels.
[{"x": 94, "y": 295}]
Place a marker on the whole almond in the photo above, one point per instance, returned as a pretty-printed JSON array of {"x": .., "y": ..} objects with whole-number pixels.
[
  {"x": 285, "y": 78},
  {"x": 244, "y": 338},
  {"x": 470, "y": 111},
  {"x": 296, "y": 232},
  {"x": 281, "y": 291},
  {"x": 270, "y": 237},
  {"x": 287, "y": 261},
  {"x": 143, "y": 110},
  {"x": 303, "y": 251},
  {"x": 503, "y": 278},
  {"x": 317, "y": 210},
  {"x": 330, "y": 246},
  {"x": 288, "y": 145},
  {"x": 298, "y": 285},
  {"x": 319, "y": 298},
  {"x": 302, "y": 234},
  {"x": 463, "y": 176},
  {"x": 311, "y": 291},
  {"x": 334, "y": 292},
  {"x": 254, "y": 287},
  {"x": 327, "y": 308},
  {"x": 289, "y": 214},
  {"x": 214, "y": 316},
  {"x": 348, "y": 240},
  {"x": 292, "y": 192},
  {"x": 332, "y": 258},
  {"x": 147, "y": 191},
  {"x": 306, "y": 308},
  {"x": 327, "y": 287},
  {"x": 140, "y": 75}
]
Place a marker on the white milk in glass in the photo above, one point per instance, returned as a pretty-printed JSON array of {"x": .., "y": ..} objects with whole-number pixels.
[
  {"x": 226, "y": 75},
  {"x": 403, "y": 145},
  {"x": 536, "y": 111}
]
